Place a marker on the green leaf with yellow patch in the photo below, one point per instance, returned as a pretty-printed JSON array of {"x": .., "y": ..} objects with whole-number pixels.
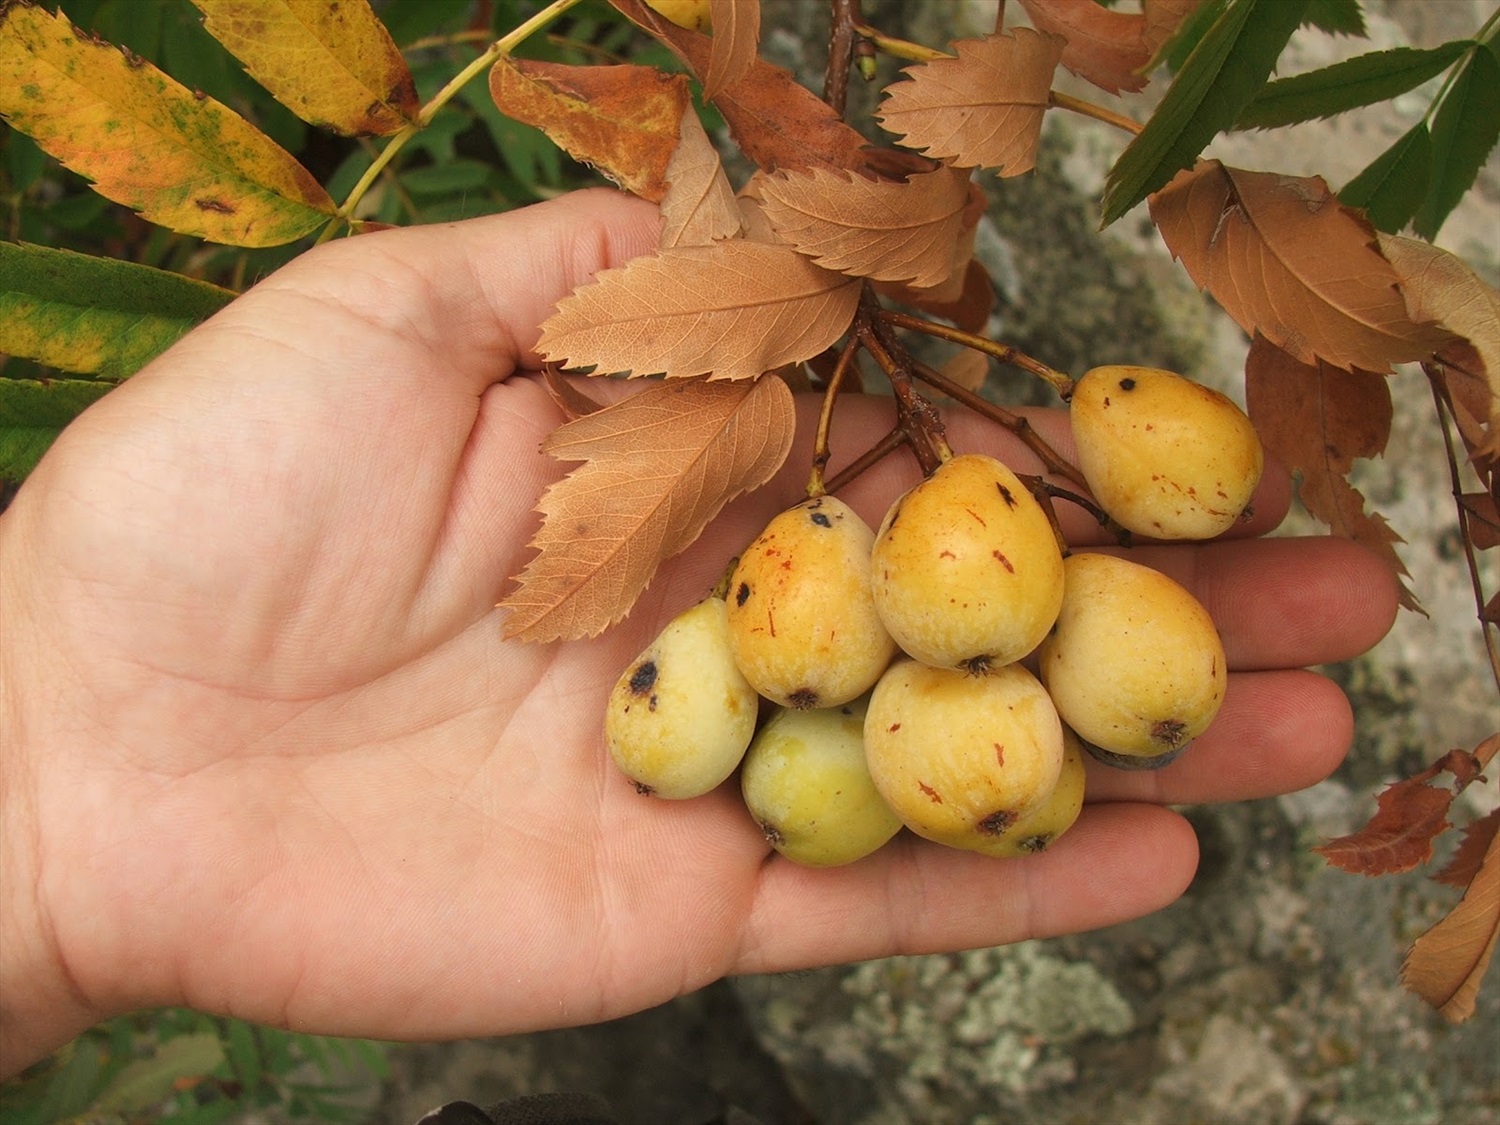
[{"x": 183, "y": 161}]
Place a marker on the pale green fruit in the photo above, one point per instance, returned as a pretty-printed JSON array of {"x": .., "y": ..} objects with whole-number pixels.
[
  {"x": 961, "y": 757},
  {"x": 1134, "y": 664},
  {"x": 802, "y": 623},
  {"x": 966, "y": 569},
  {"x": 806, "y": 784},
  {"x": 681, "y": 716},
  {"x": 1163, "y": 455},
  {"x": 1040, "y": 828}
]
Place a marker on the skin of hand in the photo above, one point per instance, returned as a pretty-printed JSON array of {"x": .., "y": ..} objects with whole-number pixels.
[{"x": 264, "y": 752}]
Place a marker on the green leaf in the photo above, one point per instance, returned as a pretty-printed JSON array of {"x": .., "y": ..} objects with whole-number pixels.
[
  {"x": 1360, "y": 81},
  {"x": 1392, "y": 188},
  {"x": 94, "y": 316},
  {"x": 443, "y": 179},
  {"x": 1337, "y": 17},
  {"x": 149, "y": 1081},
  {"x": 243, "y": 1051},
  {"x": 1466, "y": 127},
  {"x": 1219, "y": 79},
  {"x": 1190, "y": 32},
  {"x": 33, "y": 413}
]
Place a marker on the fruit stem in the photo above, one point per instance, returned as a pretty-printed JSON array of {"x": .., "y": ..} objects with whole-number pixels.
[
  {"x": 821, "y": 453},
  {"x": 877, "y": 452},
  {"x": 1011, "y": 357},
  {"x": 1015, "y": 423},
  {"x": 1036, "y": 486},
  {"x": 916, "y": 417},
  {"x": 1121, "y": 533}
]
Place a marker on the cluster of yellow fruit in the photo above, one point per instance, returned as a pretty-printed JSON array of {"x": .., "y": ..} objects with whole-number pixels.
[{"x": 896, "y": 663}]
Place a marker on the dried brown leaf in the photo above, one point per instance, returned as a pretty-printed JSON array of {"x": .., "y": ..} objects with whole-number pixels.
[
  {"x": 1409, "y": 815},
  {"x": 736, "y": 40},
  {"x": 1461, "y": 870},
  {"x": 699, "y": 206},
  {"x": 624, "y": 120},
  {"x": 967, "y": 301},
  {"x": 565, "y": 394},
  {"x": 982, "y": 109},
  {"x": 776, "y": 122},
  {"x": 1317, "y": 419},
  {"x": 657, "y": 467},
  {"x": 1163, "y": 18},
  {"x": 734, "y": 310},
  {"x": 880, "y": 229},
  {"x": 1440, "y": 287},
  {"x": 1481, "y": 519},
  {"x": 1447, "y": 963},
  {"x": 1104, "y": 46},
  {"x": 1284, "y": 258}
]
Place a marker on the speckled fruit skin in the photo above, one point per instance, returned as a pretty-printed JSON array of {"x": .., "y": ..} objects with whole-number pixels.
[
  {"x": 1165, "y": 456},
  {"x": 802, "y": 623},
  {"x": 681, "y": 715},
  {"x": 962, "y": 757},
  {"x": 1038, "y": 830},
  {"x": 966, "y": 569},
  {"x": 806, "y": 784},
  {"x": 1134, "y": 664}
]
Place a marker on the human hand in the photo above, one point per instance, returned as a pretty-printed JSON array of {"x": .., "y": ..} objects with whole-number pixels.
[{"x": 265, "y": 752}]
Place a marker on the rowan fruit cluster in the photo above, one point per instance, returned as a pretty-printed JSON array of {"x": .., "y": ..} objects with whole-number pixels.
[{"x": 949, "y": 671}]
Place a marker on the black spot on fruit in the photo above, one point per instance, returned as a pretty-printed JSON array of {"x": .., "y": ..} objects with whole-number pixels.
[
  {"x": 1034, "y": 844},
  {"x": 643, "y": 789},
  {"x": 1127, "y": 384},
  {"x": 821, "y": 519},
  {"x": 803, "y": 699},
  {"x": 643, "y": 679},
  {"x": 1005, "y": 494},
  {"x": 771, "y": 833},
  {"x": 997, "y": 822},
  {"x": 1171, "y": 733},
  {"x": 742, "y": 595}
]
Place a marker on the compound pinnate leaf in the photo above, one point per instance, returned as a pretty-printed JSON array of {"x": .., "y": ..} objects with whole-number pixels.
[
  {"x": 32, "y": 414},
  {"x": 94, "y": 316},
  {"x": 1393, "y": 185},
  {"x": 333, "y": 65},
  {"x": 733, "y": 310},
  {"x": 657, "y": 467},
  {"x": 183, "y": 161},
  {"x": 1316, "y": 420},
  {"x": 982, "y": 109},
  {"x": 1285, "y": 259},
  {"x": 1105, "y": 47},
  {"x": 624, "y": 120},
  {"x": 1448, "y": 962},
  {"x": 1464, "y": 130},
  {"x": 1223, "y": 73},
  {"x": 880, "y": 229}
]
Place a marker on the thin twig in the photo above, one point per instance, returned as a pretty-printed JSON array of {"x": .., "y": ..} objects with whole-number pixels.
[
  {"x": 1011, "y": 357},
  {"x": 1097, "y": 112},
  {"x": 844, "y": 16},
  {"x": 821, "y": 453},
  {"x": 914, "y": 414}
]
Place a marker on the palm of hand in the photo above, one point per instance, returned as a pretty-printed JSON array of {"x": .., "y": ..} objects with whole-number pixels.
[{"x": 321, "y": 790}]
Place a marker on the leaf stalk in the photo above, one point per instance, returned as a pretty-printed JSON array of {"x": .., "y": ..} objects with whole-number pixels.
[{"x": 1011, "y": 357}]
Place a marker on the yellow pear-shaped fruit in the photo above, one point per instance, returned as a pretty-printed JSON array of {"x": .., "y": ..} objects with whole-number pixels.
[
  {"x": 1040, "y": 828},
  {"x": 966, "y": 569},
  {"x": 802, "y": 622},
  {"x": 1134, "y": 664},
  {"x": 1163, "y": 455},
  {"x": 806, "y": 783},
  {"x": 691, "y": 14},
  {"x": 962, "y": 757},
  {"x": 681, "y": 715}
]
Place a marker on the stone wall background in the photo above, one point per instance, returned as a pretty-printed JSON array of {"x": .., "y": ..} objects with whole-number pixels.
[{"x": 1268, "y": 994}]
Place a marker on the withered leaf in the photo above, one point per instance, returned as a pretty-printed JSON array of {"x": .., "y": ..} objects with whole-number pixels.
[
  {"x": 736, "y": 40},
  {"x": 982, "y": 109},
  {"x": 1163, "y": 18},
  {"x": 776, "y": 122},
  {"x": 1284, "y": 258},
  {"x": 1316, "y": 419},
  {"x": 624, "y": 120},
  {"x": 1447, "y": 963},
  {"x": 698, "y": 207},
  {"x": 1469, "y": 855},
  {"x": 1441, "y": 287},
  {"x": 1481, "y": 519},
  {"x": 565, "y": 394},
  {"x": 656, "y": 468},
  {"x": 881, "y": 229},
  {"x": 967, "y": 300},
  {"x": 734, "y": 310},
  {"x": 1409, "y": 816},
  {"x": 1104, "y": 46}
]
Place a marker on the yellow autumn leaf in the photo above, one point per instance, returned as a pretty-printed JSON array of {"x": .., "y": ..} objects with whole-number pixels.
[
  {"x": 182, "y": 160},
  {"x": 333, "y": 65}
]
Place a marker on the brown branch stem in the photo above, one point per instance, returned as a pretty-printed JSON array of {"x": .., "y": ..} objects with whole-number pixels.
[
  {"x": 917, "y": 417},
  {"x": 844, "y": 18},
  {"x": 1122, "y": 535},
  {"x": 821, "y": 452},
  {"x": 1011, "y": 357}
]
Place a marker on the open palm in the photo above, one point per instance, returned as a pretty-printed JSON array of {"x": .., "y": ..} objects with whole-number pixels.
[{"x": 281, "y": 764}]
